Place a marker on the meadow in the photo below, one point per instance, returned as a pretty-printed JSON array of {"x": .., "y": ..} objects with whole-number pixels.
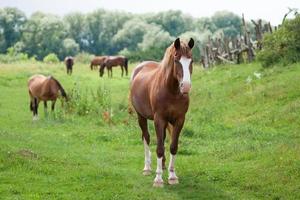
[{"x": 241, "y": 139}]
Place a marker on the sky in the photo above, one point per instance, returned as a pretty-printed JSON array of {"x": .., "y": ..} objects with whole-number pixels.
[{"x": 272, "y": 11}]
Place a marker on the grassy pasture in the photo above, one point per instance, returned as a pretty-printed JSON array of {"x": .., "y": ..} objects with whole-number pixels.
[{"x": 241, "y": 139}]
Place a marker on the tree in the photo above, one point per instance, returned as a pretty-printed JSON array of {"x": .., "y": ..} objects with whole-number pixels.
[
  {"x": 102, "y": 26},
  {"x": 76, "y": 27},
  {"x": 173, "y": 22},
  {"x": 69, "y": 48},
  {"x": 155, "y": 42},
  {"x": 11, "y": 23},
  {"x": 43, "y": 34},
  {"x": 228, "y": 22},
  {"x": 131, "y": 34}
]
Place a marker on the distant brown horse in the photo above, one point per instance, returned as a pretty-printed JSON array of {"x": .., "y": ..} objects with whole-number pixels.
[
  {"x": 160, "y": 92},
  {"x": 42, "y": 88},
  {"x": 113, "y": 61},
  {"x": 97, "y": 61},
  {"x": 69, "y": 62}
]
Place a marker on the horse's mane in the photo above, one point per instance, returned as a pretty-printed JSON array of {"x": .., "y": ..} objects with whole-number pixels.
[
  {"x": 63, "y": 93},
  {"x": 170, "y": 52}
]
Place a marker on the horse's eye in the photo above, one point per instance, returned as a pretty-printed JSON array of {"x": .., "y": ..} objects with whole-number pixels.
[{"x": 177, "y": 61}]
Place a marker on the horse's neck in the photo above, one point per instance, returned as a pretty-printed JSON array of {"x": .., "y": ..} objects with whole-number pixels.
[{"x": 167, "y": 77}]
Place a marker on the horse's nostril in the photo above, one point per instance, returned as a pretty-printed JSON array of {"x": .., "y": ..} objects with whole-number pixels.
[{"x": 181, "y": 84}]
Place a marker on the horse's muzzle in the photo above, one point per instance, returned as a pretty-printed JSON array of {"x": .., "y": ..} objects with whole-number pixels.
[{"x": 185, "y": 87}]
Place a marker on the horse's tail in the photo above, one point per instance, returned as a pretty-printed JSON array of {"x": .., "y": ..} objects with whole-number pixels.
[
  {"x": 130, "y": 108},
  {"x": 61, "y": 89}
]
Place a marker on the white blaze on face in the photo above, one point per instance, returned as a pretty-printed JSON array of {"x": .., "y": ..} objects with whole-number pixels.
[
  {"x": 185, "y": 84},
  {"x": 185, "y": 62}
]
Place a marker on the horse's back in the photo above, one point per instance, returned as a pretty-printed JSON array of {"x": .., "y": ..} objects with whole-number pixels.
[
  {"x": 146, "y": 67},
  {"x": 115, "y": 60},
  {"x": 98, "y": 60},
  {"x": 35, "y": 83}
]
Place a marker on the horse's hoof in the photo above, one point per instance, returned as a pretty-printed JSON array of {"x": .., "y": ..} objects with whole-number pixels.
[
  {"x": 173, "y": 181},
  {"x": 147, "y": 172},
  {"x": 158, "y": 184},
  {"x": 35, "y": 118}
]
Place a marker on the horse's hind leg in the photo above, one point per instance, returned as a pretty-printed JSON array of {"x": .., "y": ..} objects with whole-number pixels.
[
  {"x": 35, "y": 108},
  {"x": 146, "y": 140},
  {"x": 53, "y": 105},
  {"x": 122, "y": 70}
]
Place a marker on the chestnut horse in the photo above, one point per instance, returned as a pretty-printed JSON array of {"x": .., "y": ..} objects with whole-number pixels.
[
  {"x": 160, "y": 92},
  {"x": 113, "y": 61},
  {"x": 42, "y": 88},
  {"x": 69, "y": 62},
  {"x": 97, "y": 61}
]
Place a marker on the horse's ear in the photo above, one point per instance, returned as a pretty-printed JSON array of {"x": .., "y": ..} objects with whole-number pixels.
[
  {"x": 177, "y": 44},
  {"x": 191, "y": 43}
]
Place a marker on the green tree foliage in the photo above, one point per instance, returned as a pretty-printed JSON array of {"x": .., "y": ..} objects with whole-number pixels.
[
  {"x": 69, "y": 48},
  {"x": 76, "y": 28},
  {"x": 283, "y": 45},
  {"x": 11, "y": 23},
  {"x": 51, "y": 58},
  {"x": 102, "y": 26},
  {"x": 131, "y": 34},
  {"x": 228, "y": 22},
  {"x": 105, "y": 32},
  {"x": 43, "y": 34},
  {"x": 174, "y": 22}
]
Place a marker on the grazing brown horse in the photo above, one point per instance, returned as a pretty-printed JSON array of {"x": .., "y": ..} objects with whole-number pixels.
[
  {"x": 113, "y": 61},
  {"x": 69, "y": 62},
  {"x": 97, "y": 61},
  {"x": 160, "y": 92},
  {"x": 42, "y": 88}
]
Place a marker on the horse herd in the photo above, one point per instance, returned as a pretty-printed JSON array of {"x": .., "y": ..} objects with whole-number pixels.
[
  {"x": 159, "y": 91},
  {"x": 103, "y": 62}
]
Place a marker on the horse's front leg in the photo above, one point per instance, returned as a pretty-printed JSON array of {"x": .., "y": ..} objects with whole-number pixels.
[
  {"x": 146, "y": 139},
  {"x": 35, "y": 108},
  {"x": 45, "y": 108},
  {"x": 122, "y": 70},
  {"x": 160, "y": 128},
  {"x": 173, "y": 179}
]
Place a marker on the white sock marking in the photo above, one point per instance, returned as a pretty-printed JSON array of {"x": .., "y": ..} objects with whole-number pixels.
[
  {"x": 159, "y": 171},
  {"x": 172, "y": 174},
  {"x": 147, "y": 157}
]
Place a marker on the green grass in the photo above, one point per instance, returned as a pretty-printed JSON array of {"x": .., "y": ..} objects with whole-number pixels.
[{"x": 241, "y": 139}]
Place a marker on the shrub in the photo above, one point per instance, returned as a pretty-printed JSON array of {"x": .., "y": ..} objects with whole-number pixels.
[
  {"x": 51, "y": 58},
  {"x": 84, "y": 57},
  {"x": 282, "y": 46},
  {"x": 6, "y": 58},
  {"x": 88, "y": 102}
]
